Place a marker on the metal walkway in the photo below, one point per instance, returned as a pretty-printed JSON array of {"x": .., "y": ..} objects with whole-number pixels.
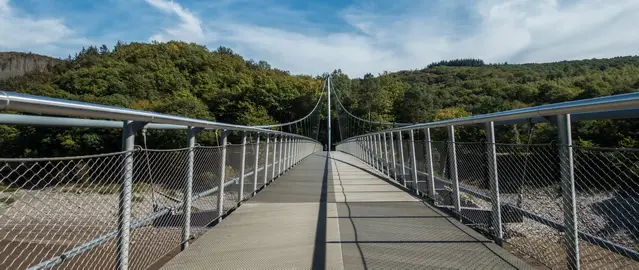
[{"x": 338, "y": 213}]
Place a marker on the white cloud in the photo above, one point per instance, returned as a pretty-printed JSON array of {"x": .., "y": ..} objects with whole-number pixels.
[
  {"x": 4, "y": 7},
  {"x": 25, "y": 33},
  {"x": 499, "y": 30},
  {"x": 189, "y": 27}
]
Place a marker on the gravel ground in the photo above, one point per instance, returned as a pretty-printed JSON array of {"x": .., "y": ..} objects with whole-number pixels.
[
  {"x": 41, "y": 224},
  {"x": 614, "y": 218}
]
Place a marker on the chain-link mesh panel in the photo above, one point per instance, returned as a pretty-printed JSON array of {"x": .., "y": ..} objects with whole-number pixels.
[
  {"x": 250, "y": 164},
  {"x": 406, "y": 175},
  {"x": 156, "y": 213},
  {"x": 472, "y": 173},
  {"x": 443, "y": 190},
  {"x": 532, "y": 207},
  {"x": 232, "y": 171},
  {"x": 260, "y": 165},
  {"x": 206, "y": 180},
  {"x": 607, "y": 184},
  {"x": 49, "y": 206},
  {"x": 64, "y": 212},
  {"x": 529, "y": 179},
  {"x": 420, "y": 158}
]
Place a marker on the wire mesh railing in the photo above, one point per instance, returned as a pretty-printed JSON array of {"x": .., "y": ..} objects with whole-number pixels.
[
  {"x": 63, "y": 212},
  {"x": 133, "y": 208},
  {"x": 521, "y": 195}
]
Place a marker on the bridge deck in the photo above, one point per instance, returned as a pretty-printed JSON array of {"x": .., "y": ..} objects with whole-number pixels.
[{"x": 337, "y": 213}]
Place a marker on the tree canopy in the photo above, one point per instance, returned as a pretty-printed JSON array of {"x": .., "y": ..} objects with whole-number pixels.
[
  {"x": 174, "y": 78},
  {"x": 187, "y": 79}
]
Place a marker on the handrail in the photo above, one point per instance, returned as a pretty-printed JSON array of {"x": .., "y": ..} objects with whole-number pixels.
[
  {"x": 53, "y": 106},
  {"x": 609, "y": 103}
]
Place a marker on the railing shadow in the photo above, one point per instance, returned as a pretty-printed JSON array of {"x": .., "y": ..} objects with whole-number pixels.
[
  {"x": 350, "y": 218},
  {"x": 439, "y": 214},
  {"x": 319, "y": 253}
]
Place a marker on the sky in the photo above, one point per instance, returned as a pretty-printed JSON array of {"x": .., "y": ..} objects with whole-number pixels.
[{"x": 318, "y": 36}]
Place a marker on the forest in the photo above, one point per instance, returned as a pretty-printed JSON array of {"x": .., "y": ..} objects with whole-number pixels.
[{"x": 191, "y": 80}]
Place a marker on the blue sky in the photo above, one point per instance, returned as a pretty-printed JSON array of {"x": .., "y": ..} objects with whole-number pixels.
[{"x": 358, "y": 36}]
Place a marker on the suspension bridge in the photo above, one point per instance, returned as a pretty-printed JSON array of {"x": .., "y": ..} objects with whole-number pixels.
[{"x": 380, "y": 196}]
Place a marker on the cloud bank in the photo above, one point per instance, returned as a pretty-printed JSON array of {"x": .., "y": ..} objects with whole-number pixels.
[
  {"x": 367, "y": 36},
  {"x": 21, "y": 32}
]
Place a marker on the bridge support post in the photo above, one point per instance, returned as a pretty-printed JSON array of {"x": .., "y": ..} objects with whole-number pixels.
[
  {"x": 380, "y": 155},
  {"x": 569, "y": 197},
  {"x": 300, "y": 150},
  {"x": 256, "y": 163},
  {"x": 413, "y": 159},
  {"x": 188, "y": 187},
  {"x": 369, "y": 154},
  {"x": 280, "y": 161},
  {"x": 242, "y": 166},
  {"x": 381, "y": 152},
  {"x": 429, "y": 165},
  {"x": 392, "y": 145},
  {"x": 378, "y": 148},
  {"x": 452, "y": 155},
  {"x": 220, "y": 188},
  {"x": 401, "y": 157},
  {"x": 274, "y": 156},
  {"x": 386, "y": 155},
  {"x": 360, "y": 144},
  {"x": 374, "y": 150},
  {"x": 362, "y": 147},
  {"x": 493, "y": 180},
  {"x": 287, "y": 153},
  {"x": 295, "y": 150},
  {"x": 266, "y": 151},
  {"x": 289, "y": 144},
  {"x": 126, "y": 189}
]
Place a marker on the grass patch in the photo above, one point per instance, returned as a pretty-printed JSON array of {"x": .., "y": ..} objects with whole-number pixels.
[
  {"x": 7, "y": 200},
  {"x": 4, "y": 188}
]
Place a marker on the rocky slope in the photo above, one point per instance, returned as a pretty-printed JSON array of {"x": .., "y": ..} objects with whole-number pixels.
[{"x": 17, "y": 64}]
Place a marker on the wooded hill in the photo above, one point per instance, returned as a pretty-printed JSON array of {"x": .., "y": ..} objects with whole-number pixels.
[{"x": 191, "y": 80}]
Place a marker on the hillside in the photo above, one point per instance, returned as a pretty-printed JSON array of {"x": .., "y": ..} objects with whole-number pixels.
[
  {"x": 175, "y": 78},
  {"x": 14, "y": 64},
  {"x": 450, "y": 89},
  {"x": 191, "y": 80}
]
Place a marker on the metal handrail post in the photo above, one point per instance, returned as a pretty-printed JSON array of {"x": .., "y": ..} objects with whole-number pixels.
[
  {"x": 220, "y": 188},
  {"x": 392, "y": 145},
  {"x": 274, "y": 156},
  {"x": 381, "y": 153},
  {"x": 413, "y": 158},
  {"x": 126, "y": 190},
  {"x": 429, "y": 165},
  {"x": 242, "y": 166},
  {"x": 279, "y": 165},
  {"x": 569, "y": 195},
  {"x": 256, "y": 162},
  {"x": 401, "y": 154},
  {"x": 386, "y": 154},
  {"x": 493, "y": 180},
  {"x": 188, "y": 187},
  {"x": 268, "y": 140},
  {"x": 452, "y": 155}
]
